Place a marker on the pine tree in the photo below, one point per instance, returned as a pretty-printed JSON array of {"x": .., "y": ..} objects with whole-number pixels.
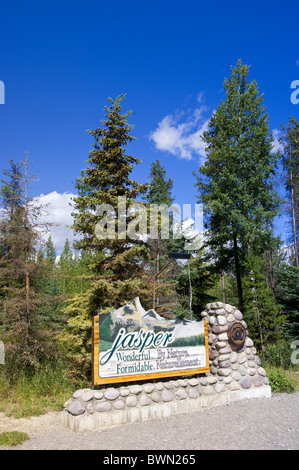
[
  {"x": 263, "y": 316},
  {"x": 202, "y": 280},
  {"x": 159, "y": 194},
  {"x": 65, "y": 268},
  {"x": 26, "y": 334},
  {"x": 50, "y": 251},
  {"x": 160, "y": 187},
  {"x": 74, "y": 270},
  {"x": 288, "y": 295},
  {"x": 12, "y": 211},
  {"x": 290, "y": 160},
  {"x": 106, "y": 178},
  {"x": 117, "y": 262},
  {"x": 236, "y": 183},
  {"x": 11, "y": 191},
  {"x": 66, "y": 257}
]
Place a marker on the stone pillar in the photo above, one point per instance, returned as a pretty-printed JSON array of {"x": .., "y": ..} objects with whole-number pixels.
[{"x": 233, "y": 368}]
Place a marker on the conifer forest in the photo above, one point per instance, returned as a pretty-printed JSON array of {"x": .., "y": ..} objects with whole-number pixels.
[{"x": 48, "y": 299}]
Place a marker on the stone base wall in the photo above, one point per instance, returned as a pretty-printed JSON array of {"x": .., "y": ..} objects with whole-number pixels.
[{"x": 234, "y": 375}]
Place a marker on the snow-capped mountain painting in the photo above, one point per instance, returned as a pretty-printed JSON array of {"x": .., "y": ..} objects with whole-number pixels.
[{"x": 132, "y": 317}]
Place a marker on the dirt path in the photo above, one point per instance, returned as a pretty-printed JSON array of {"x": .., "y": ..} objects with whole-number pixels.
[{"x": 271, "y": 423}]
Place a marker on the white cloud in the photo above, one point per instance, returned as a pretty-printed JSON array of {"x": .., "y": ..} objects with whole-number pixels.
[
  {"x": 182, "y": 139},
  {"x": 276, "y": 144},
  {"x": 297, "y": 62},
  {"x": 57, "y": 211},
  {"x": 200, "y": 96}
]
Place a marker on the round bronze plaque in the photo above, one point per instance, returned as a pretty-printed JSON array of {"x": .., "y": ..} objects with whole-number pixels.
[{"x": 236, "y": 335}]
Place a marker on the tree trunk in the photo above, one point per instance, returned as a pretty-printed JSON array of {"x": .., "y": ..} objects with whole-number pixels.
[
  {"x": 158, "y": 265},
  {"x": 294, "y": 220},
  {"x": 27, "y": 309},
  {"x": 223, "y": 286},
  {"x": 271, "y": 279},
  {"x": 238, "y": 275}
]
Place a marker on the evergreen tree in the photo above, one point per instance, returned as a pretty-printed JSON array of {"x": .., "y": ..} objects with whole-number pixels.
[
  {"x": 106, "y": 178},
  {"x": 236, "y": 183},
  {"x": 66, "y": 257},
  {"x": 288, "y": 295},
  {"x": 65, "y": 268},
  {"x": 159, "y": 194},
  {"x": 50, "y": 251},
  {"x": 27, "y": 336},
  {"x": 74, "y": 270},
  {"x": 11, "y": 190},
  {"x": 263, "y": 316},
  {"x": 50, "y": 292},
  {"x": 11, "y": 201},
  {"x": 160, "y": 187},
  {"x": 117, "y": 262},
  {"x": 202, "y": 280},
  {"x": 290, "y": 160}
]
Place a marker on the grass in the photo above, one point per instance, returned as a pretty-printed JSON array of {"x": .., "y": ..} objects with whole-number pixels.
[
  {"x": 282, "y": 380},
  {"x": 46, "y": 390},
  {"x": 11, "y": 439},
  {"x": 49, "y": 388}
]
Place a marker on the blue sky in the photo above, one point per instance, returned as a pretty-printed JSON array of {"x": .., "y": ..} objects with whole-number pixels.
[{"x": 60, "y": 61}]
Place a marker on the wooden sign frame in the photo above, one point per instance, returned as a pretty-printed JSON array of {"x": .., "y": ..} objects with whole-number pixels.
[{"x": 97, "y": 380}]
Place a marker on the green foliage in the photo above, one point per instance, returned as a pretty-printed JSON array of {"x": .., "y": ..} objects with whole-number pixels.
[
  {"x": 188, "y": 341},
  {"x": 25, "y": 327},
  {"x": 290, "y": 161},
  {"x": 11, "y": 188},
  {"x": 201, "y": 281},
  {"x": 278, "y": 354},
  {"x": 106, "y": 178},
  {"x": 50, "y": 251},
  {"x": 288, "y": 295},
  {"x": 46, "y": 389},
  {"x": 116, "y": 266},
  {"x": 46, "y": 307},
  {"x": 216, "y": 292},
  {"x": 279, "y": 381},
  {"x": 236, "y": 182},
  {"x": 74, "y": 270},
  {"x": 261, "y": 313},
  {"x": 13, "y": 438},
  {"x": 76, "y": 338},
  {"x": 159, "y": 194},
  {"x": 159, "y": 189}
]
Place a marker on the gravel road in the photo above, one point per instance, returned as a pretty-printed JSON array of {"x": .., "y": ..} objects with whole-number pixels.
[{"x": 266, "y": 423}]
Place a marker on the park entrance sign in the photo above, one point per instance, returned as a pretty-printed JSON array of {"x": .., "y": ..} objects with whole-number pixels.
[
  {"x": 130, "y": 344},
  {"x": 170, "y": 361}
]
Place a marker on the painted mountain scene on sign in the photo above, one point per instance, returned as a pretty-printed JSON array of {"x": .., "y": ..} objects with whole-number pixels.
[{"x": 132, "y": 317}]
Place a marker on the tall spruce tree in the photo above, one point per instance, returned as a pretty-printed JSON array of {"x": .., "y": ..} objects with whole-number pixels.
[
  {"x": 11, "y": 195},
  {"x": 236, "y": 182},
  {"x": 288, "y": 295},
  {"x": 290, "y": 160},
  {"x": 160, "y": 187},
  {"x": 159, "y": 194},
  {"x": 117, "y": 262},
  {"x": 107, "y": 177},
  {"x": 73, "y": 270},
  {"x": 26, "y": 333},
  {"x": 202, "y": 279},
  {"x": 50, "y": 251},
  {"x": 264, "y": 317}
]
